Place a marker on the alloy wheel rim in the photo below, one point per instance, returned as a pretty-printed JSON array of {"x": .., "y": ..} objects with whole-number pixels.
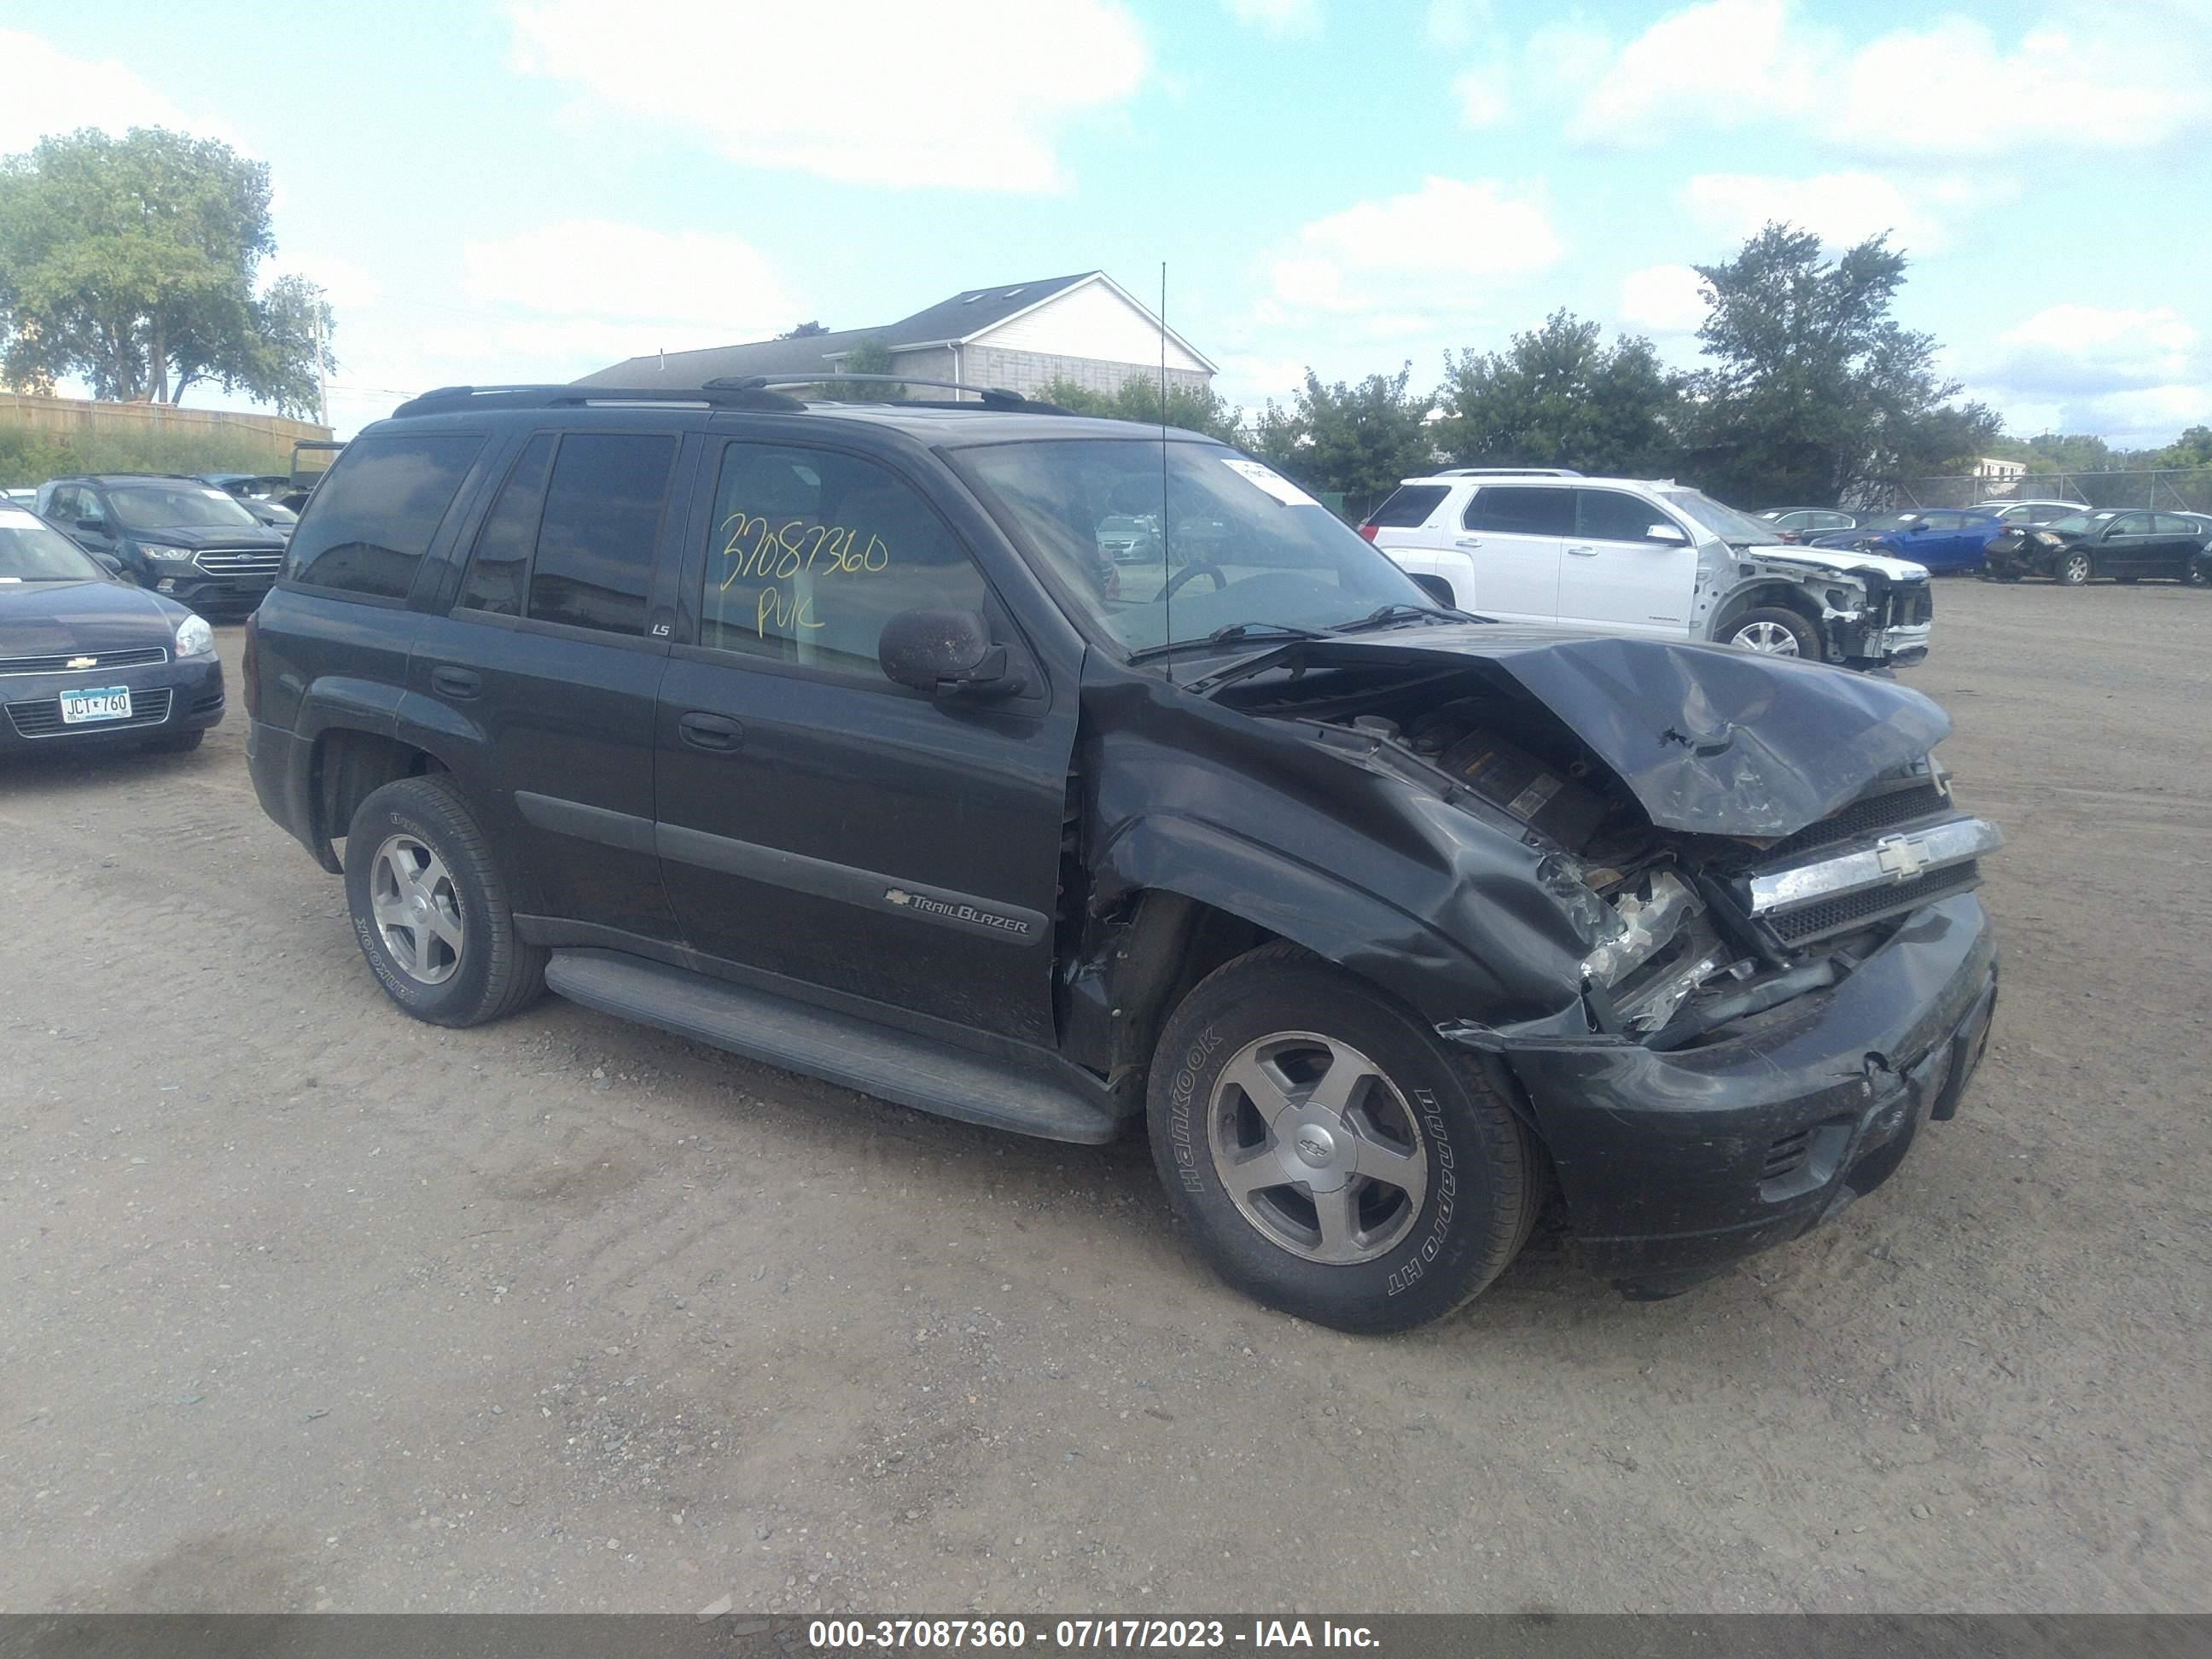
[
  {"x": 417, "y": 909},
  {"x": 2077, "y": 567},
  {"x": 1317, "y": 1149},
  {"x": 1770, "y": 638}
]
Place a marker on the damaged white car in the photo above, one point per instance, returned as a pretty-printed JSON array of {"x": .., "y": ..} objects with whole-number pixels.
[{"x": 1649, "y": 557}]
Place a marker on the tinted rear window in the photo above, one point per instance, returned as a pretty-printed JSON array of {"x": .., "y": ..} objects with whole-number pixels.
[
  {"x": 1408, "y": 507},
  {"x": 1517, "y": 509},
  {"x": 370, "y": 522},
  {"x": 595, "y": 541}
]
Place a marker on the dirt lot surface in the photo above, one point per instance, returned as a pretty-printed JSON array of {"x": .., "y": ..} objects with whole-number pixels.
[{"x": 305, "y": 1305}]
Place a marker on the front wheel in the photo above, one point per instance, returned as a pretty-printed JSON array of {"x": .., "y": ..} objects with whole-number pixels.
[
  {"x": 2073, "y": 570},
  {"x": 1773, "y": 630},
  {"x": 431, "y": 909},
  {"x": 1332, "y": 1157}
]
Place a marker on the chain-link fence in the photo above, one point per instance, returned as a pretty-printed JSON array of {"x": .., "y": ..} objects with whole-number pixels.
[{"x": 2177, "y": 490}]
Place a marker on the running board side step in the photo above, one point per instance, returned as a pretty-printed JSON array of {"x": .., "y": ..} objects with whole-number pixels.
[{"x": 1033, "y": 1099}]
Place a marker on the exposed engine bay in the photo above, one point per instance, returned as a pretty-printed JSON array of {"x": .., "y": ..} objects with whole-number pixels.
[{"x": 1691, "y": 935}]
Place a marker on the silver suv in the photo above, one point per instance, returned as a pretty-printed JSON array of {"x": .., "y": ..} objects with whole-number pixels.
[{"x": 1648, "y": 557}]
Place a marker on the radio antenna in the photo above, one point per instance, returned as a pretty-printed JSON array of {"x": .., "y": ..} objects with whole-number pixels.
[{"x": 1167, "y": 583}]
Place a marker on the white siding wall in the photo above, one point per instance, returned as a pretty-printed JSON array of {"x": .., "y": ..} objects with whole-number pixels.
[
  {"x": 1028, "y": 371},
  {"x": 1091, "y": 321}
]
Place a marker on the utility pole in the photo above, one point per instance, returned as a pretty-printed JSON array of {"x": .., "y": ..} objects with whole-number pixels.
[{"x": 322, "y": 374}]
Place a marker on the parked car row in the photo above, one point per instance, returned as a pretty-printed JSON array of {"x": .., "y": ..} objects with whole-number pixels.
[{"x": 2006, "y": 540}]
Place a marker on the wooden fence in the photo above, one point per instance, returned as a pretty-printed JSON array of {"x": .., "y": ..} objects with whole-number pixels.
[{"x": 80, "y": 419}]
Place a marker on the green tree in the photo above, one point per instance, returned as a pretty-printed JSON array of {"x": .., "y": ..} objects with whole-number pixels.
[
  {"x": 1815, "y": 393},
  {"x": 1199, "y": 409},
  {"x": 1362, "y": 439},
  {"x": 868, "y": 355},
  {"x": 1556, "y": 396},
  {"x": 131, "y": 264}
]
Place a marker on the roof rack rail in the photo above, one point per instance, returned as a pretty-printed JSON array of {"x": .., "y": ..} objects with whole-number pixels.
[
  {"x": 445, "y": 398},
  {"x": 1510, "y": 472},
  {"x": 988, "y": 397}
]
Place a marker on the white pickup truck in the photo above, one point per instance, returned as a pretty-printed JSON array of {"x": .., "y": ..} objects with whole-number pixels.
[{"x": 1648, "y": 557}]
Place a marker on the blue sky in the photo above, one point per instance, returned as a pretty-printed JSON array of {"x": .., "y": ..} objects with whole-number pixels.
[{"x": 532, "y": 190}]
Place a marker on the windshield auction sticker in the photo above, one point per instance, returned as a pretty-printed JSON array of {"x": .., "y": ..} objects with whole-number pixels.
[{"x": 1269, "y": 480}]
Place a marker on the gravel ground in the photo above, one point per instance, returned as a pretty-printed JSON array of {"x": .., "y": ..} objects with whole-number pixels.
[{"x": 309, "y": 1306}]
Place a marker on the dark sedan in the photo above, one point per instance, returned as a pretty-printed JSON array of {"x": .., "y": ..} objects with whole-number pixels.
[
  {"x": 1801, "y": 523},
  {"x": 175, "y": 535},
  {"x": 87, "y": 661},
  {"x": 2126, "y": 546}
]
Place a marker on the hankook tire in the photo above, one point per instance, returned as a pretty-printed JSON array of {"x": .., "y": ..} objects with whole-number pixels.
[
  {"x": 430, "y": 907},
  {"x": 1332, "y": 1156}
]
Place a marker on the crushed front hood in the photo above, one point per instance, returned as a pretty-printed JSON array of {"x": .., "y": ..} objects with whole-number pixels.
[{"x": 1708, "y": 739}]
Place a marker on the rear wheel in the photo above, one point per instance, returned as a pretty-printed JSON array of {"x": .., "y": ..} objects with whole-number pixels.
[
  {"x": 1773, "y": 630},
  {"x": 2073, "y": 570},
  {"x": 1331, "y": 1157},
  {"x": 431, "y": 909}
]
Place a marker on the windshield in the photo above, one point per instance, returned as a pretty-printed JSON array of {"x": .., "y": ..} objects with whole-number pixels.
[
  {"x": 30, "y": 552},
  {"x": 178, "y": 506},
  {"x": 1240, "y": 544},
  {"x": 1888, "y": 523},
  {"x": 1738, "y": 529}
]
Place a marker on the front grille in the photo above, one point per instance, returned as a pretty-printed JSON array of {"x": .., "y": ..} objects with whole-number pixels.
[
  {"x": 241, "y": 561},
  {"x": 1864, "y": 816},
  {"x": 139, "y": 657},
  {"x": 41, "y": 717},
  {"x": 1850, "y": 910}
]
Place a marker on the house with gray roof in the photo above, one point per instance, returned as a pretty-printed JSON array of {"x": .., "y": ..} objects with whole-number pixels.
[{"x": 1086, "y": 329}]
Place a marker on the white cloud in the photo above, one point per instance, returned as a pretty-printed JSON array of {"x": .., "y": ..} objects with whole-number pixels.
[
  {"x": 2083, "y": 76},
  {"x": 1482, "y": 99},
  {"x": 48, "y": 92},
  {"x": 718, "y": 284},
  {"x": 1666, "y": 300},
  {"x": 737, "y": 78},
  {"x": 2134, "y": 376},
  {"x": 1841, "y": 208},
  {"x": 1433, "y": 249},
  {"x": 1721, "y": 64},
  {"x": 1278, "y": 17},
  {"x": 1453, "y": 22}
]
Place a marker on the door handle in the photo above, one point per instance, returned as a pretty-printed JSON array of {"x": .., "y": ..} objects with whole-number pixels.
[
  {"x": 718, "y": 733},
  {"x": 1584, "y": 552},
  {"x": 1468, "y": 541},
  {"x": 457, "y": 682}
]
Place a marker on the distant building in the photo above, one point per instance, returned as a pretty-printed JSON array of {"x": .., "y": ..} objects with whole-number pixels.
[
  {"x": 1990, "y": 470},
  {"x": 1086, "y": 329}
]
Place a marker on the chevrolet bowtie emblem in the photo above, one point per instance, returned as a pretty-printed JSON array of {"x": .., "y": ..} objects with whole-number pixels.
[
  {"x": 1900, "y": 856},
  {"x": 82, "y": 662}
]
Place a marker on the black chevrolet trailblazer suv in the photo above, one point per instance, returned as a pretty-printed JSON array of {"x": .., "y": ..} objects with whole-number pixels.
[{"x": 824, "y": 733}]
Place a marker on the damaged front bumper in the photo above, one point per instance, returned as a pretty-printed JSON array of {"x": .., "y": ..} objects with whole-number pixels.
[
  {"x": 1676, "y": 1165},
  {"x": 1891, "y": 627}
]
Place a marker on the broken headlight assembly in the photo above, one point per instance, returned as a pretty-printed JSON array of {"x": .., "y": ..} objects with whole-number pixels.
[{"x": 1660, "y": 948}]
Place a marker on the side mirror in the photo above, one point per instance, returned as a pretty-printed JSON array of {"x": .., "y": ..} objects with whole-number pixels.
[
  {"x": 92, "y": 526},
  {"x": 108, "y": 563},
  {"x": 946, "y": 653},
  {"x": 1667, "y": 534}
]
